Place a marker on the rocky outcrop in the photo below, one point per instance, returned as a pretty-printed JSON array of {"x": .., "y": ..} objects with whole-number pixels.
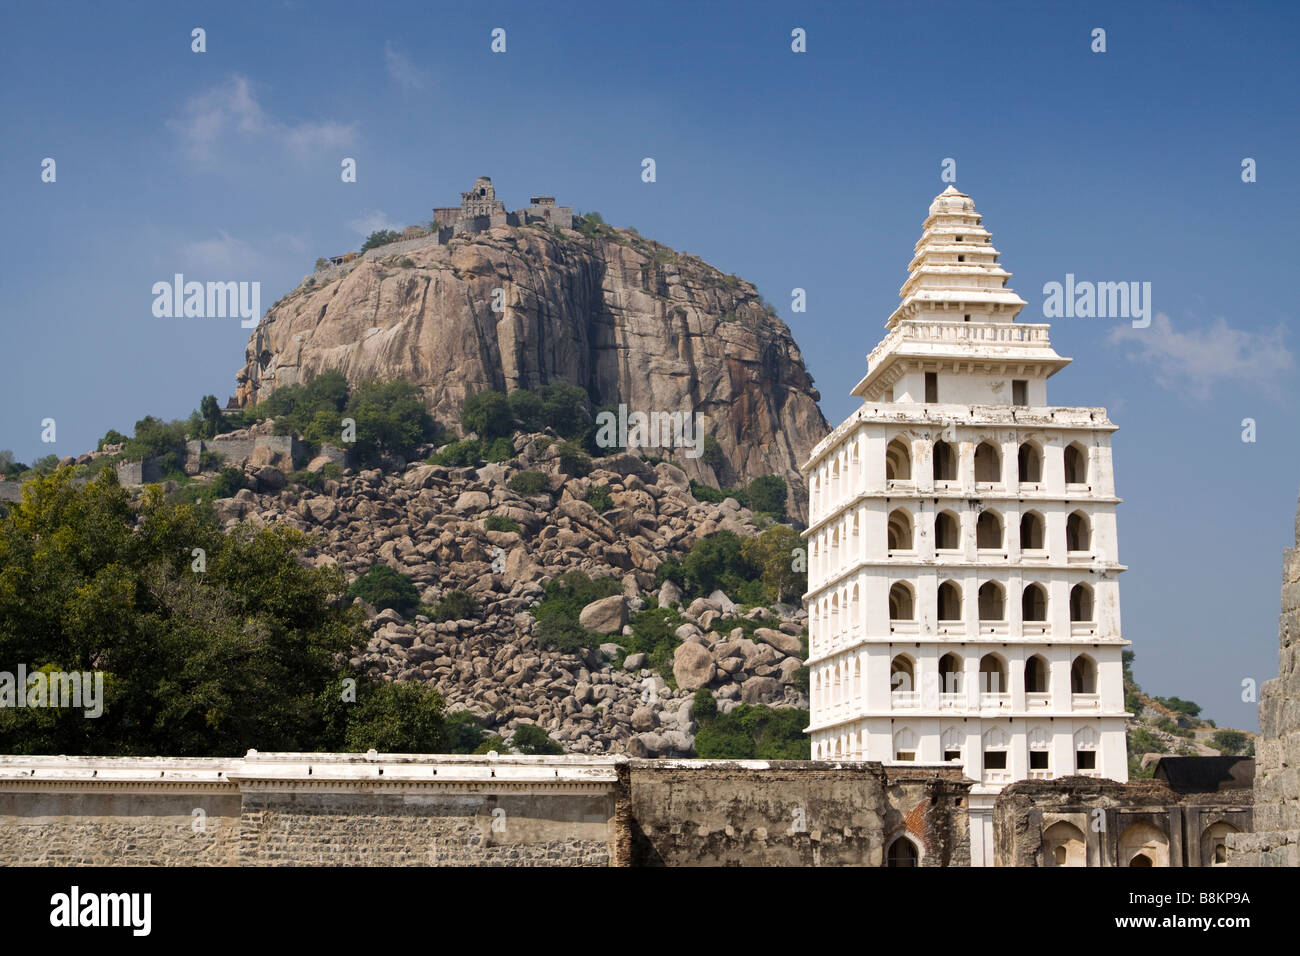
[
  {"x": 428, "y": 522},
  {"x": 630, "y": 320}
]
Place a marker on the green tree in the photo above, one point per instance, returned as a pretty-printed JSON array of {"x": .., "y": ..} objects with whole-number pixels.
[
  {"x": 531, "y": 739},
  {"x": 384, "y": 588},
  {"x": 489, "y": 414},
  {"x": 397, "y": 718},
  {"x": 111, "y": 437},
  {"x": 391, "y": 419},
  {"x": 526, "y": 407},
  {"x": 773, "y": 554},
  {"x": 717, "y": 562},
  {"x": 380, "y": 237},
  {"x": 1230, "y": 742},
  {"x": 767, "y": 496},
  {"x": 210, "y": 660},
  {"x": 210, "y": 412}
]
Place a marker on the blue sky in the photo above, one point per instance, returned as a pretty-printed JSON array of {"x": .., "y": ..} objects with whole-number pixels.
[{"x": 805, "y": 170}]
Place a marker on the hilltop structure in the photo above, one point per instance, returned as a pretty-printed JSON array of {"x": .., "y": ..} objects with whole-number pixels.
[{"x": 963, "y": 596}]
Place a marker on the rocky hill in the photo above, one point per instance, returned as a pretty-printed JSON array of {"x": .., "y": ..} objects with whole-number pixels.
[
  {"x": 431, "y": 523},
  {"x": 630, "y": 320}
]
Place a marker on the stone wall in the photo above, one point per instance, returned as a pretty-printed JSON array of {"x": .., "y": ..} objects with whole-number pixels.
[
  {"x": 1276, "y": 840},
  {"x": 791, "y": 813},
  {"x": 11, "y": 491},
  {"x": 131, "y": 473},
  {"x": 371, "y": 809}
]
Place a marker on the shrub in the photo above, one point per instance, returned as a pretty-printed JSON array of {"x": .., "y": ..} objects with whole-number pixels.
[
  {"x": 712, "y": 455},
  {"x": 767, "y": 496},
  {"x": 464, "y": 732},
  {"x": 526, "y": 407},
  {"x": 1178, "y": 705},
  {"x": 313, "y": 480},
  {"x": 705, "y": 493},
  {"x": 455, "y": 605},
  {"x": 598, "y": 497},
  {"x": 563, "y": 600},
  {"x": 530, "y": 739},
  {"x": 399, "y": 717},
  {"x": 573, "y": 460},
  {"x": 501, "y": 523},
  {"x": 391, "y": 419},
  {"x": 111, "y": 437},
  {"x": 209, "y": 461},
  {"x": 488, "y": 414},
  {"x": 773, "y": 554},
  {"x": 406, "y": 262},
  {"x": 380, "y": 237},
  {"x": 502, "y": 449},
  {"x": 227, "y": 482},
  {"x": 1230, "y": 742},
  {"x": 459, "y": 454},
  {"x": 716, "y": 562},
  {"x": 653, "y": 635},
  {"x": 527, "y": 483},
  {"x": 704, "y": 707},
  {"x": 754, "y": 732},
  {"x": 332, "y": 470},
  {"x": 385, "y": 588},
  {"x": 1142, "y": 741}
]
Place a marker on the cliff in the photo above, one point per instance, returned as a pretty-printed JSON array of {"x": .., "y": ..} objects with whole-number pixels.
[{"x": 630, "y": 320}]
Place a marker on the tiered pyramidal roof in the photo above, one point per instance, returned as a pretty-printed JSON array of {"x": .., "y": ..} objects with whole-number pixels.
[{"x": 957, "y": 314}]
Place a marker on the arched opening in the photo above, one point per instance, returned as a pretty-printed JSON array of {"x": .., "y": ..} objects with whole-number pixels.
[
  {"x": 902, "y": 853},
  {"x": 1040, "y": 754},
  {"x": 947, "y": 531},
  {"x": 1078, "y": 535},
  {"x": 1033, "y": 603},
  {"x": 993, "y": 675},
  {"x": 898, "y": 461},
  {"x": 949, "y": 601},
  {"x": 988, "y": 530},
  {"x": 1214, "y": 843},
  {"x": 1143, "y": 844},
  {"x": 988, "y": 463},
  {"x": 992, "y": 601},
  {"x": 1030, "y": 463},
  {"x": 945, "y": 462},
  {"x": 1036, "y": 675},
  {"x": 950, "y": 674},
  {"x": 902, "y": 675},
  {"x": 1085, "y": 752},
  {"x": 900, "y": 530},
  {"x": 900, "y": 602},
  {"x": 995, "y": 753},
  {"x": 1076, "y": 464},
  {"x": 950, "y": 743},
  {"x": 1083, "y": 675},
  {"x": 1081, "y": 603},
  {"x": 1031, "y": 531},
  {"x": 1064, "y": 845}
]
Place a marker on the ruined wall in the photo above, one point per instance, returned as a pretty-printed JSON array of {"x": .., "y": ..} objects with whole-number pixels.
[
  {"x": 790, "y": 813},
  {"x": 1276, "y": 840},
  {"x": 426, "y": 829}
]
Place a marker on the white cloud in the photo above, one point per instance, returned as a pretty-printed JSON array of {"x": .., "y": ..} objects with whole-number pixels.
[
  {"x": 222, "y": 255},
  {"x": 372, "y": 222},
  {"x": 402, "y": 71},
  {"x": 229, "y": 114},
  {"x": 1195, "y": 360}
]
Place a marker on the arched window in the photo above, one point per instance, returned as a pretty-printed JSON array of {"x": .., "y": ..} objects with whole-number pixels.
[
  {"x": 988, "y": 463},
  {"x": 1040, "y": 754},
  {"x": 898, "y": 461},
  {"x": 1143, "y": 844},
  {"x": 950, "y": 744},
  {"x": 905, "y": 745},
  {"x": 900, "y": 602},
  {"x": 949, "y": 601},
  {"x": 993, "y": 675},
  {"x": 835, "y": 615},
  {"x": 1076, "y": 464},
  {"x": 1036, "y": 675},
  {"x": 900, "y": 530},
  {"x": 902, "y": 674},
  {"x": 992, "y": 602},
  {"x": 951, "y": 680},
  {"x": 1078, "y": 535},
  {"x": 1081, "y": 603},
  {"x": 1030, "y": 461},
  {"x": 995, "y": 749},
  {"x": 947, "y": 531},
  {"x": 1031, "y": 531},
  {"x": 988, "y": 530},
  {"x": 1083, "y": 675},
  {"x": 1214, "y": 849},
  {"x": 945, "y": 462},
  {"x": 835, "y": 549},
  {"x": 902, "y": 853},
  {"x": 1064, "y": 845},
  {"x": 1033, "y": 604}
]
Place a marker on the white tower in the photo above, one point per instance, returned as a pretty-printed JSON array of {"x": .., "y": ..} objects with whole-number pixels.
[{"x": 963, "y": 592}]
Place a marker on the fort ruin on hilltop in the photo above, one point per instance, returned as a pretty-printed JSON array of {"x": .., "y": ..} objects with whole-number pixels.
[{"x": 479, "y": 211}]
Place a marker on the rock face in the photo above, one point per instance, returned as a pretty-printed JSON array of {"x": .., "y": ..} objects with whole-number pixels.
[
  {"x": 1276, "y": 840},
  {"x": 629, "y": 319}
]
